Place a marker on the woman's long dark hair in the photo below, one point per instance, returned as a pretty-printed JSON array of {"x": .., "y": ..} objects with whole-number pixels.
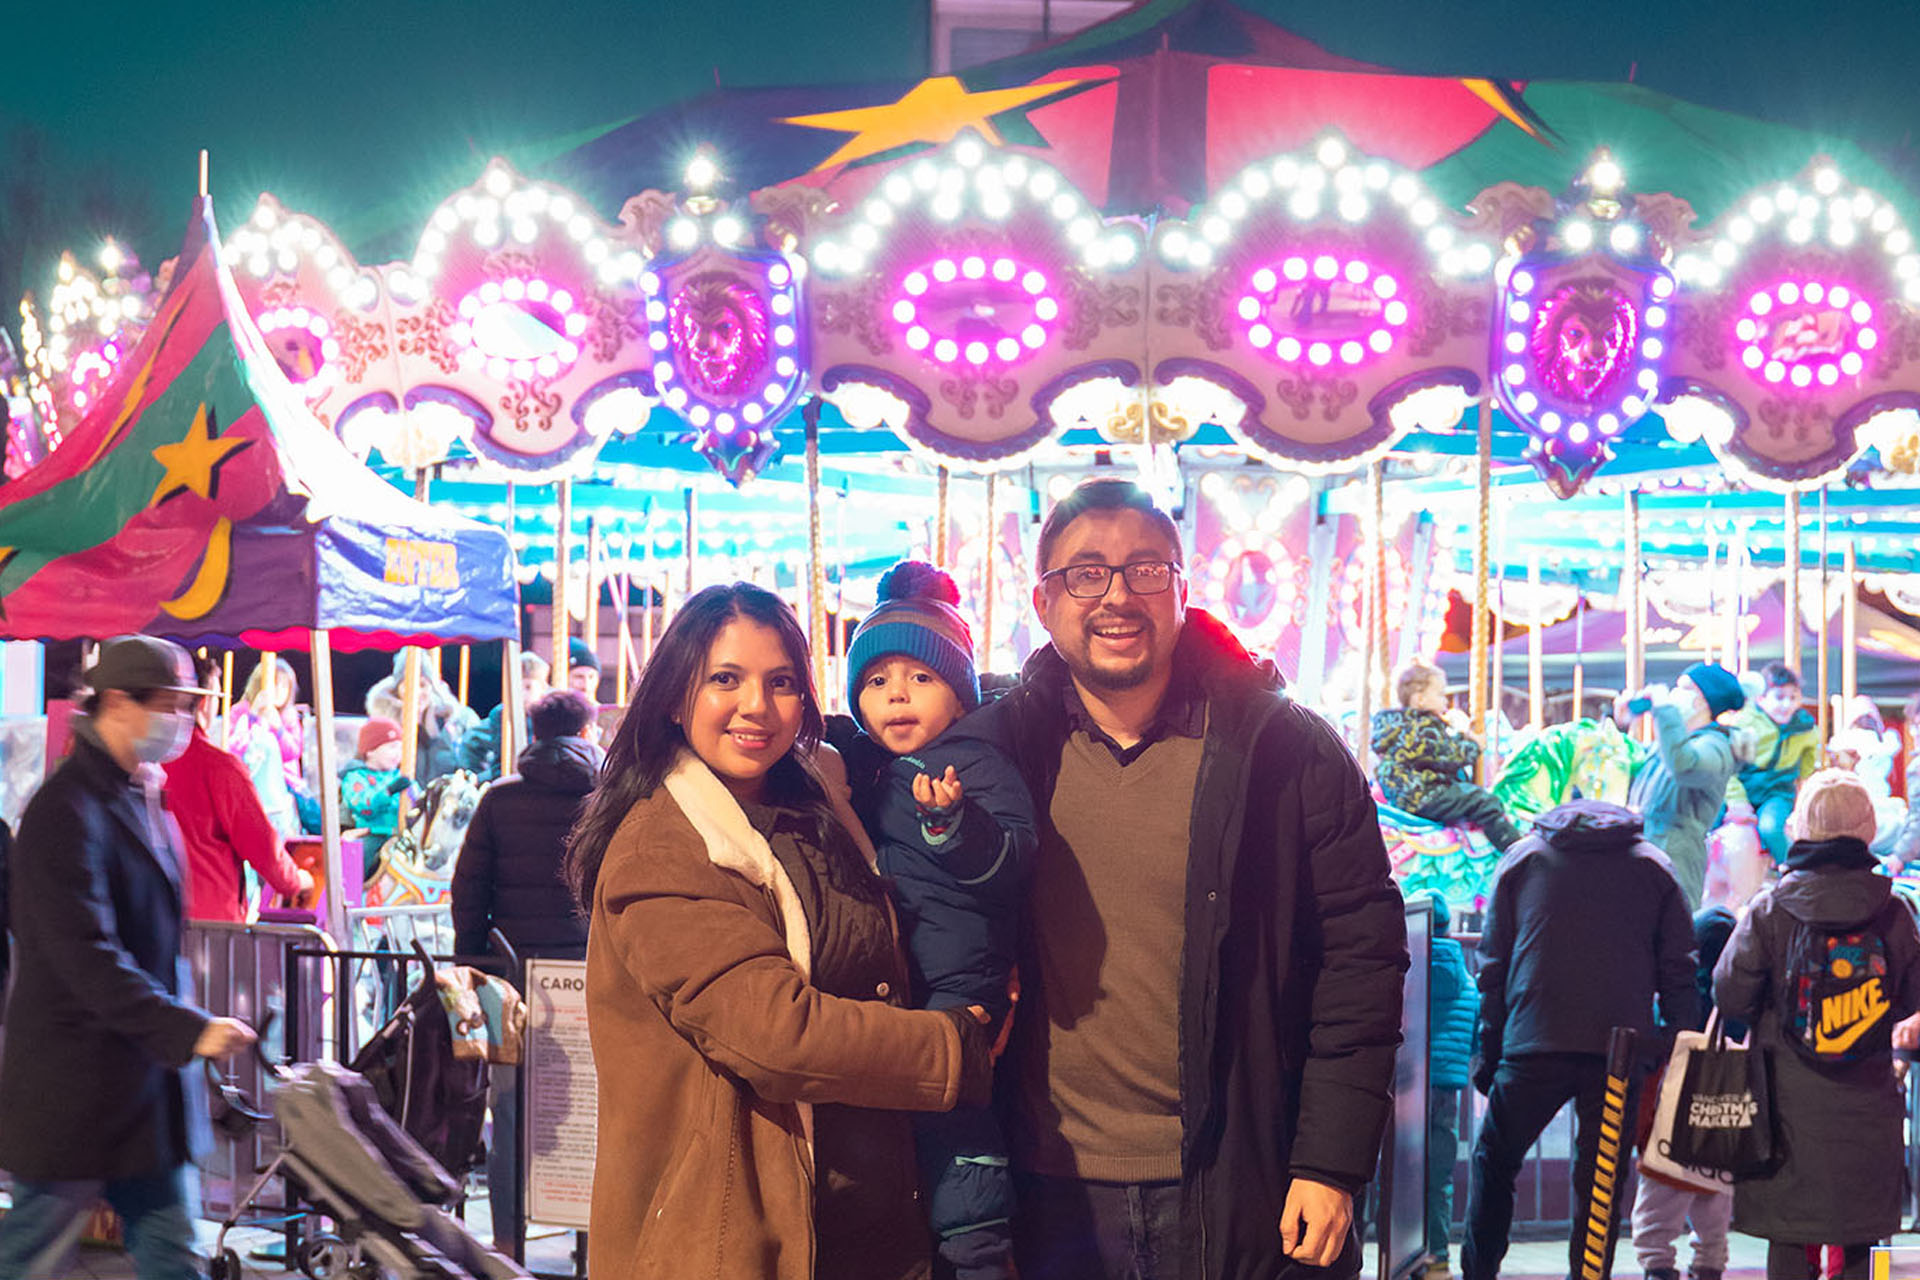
[{"x": 648, "y": 739}]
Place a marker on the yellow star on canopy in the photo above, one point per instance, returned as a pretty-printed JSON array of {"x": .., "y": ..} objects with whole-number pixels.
[
  {"x": 191, "y": 463},
  {"x": 933, "y": 111}
]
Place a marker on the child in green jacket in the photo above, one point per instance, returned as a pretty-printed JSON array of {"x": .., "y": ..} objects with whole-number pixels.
[{"x": 1778, "y": 742}]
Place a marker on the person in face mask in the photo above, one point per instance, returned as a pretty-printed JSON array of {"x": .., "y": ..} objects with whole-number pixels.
[{"x": 97, "y": 1099}]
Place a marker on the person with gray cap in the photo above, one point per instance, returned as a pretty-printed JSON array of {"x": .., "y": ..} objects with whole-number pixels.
[{"x": 96, "y": 1100}]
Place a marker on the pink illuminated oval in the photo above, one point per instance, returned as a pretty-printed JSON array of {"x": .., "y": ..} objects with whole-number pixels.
[
  {"x": 975, "y": 310},
  {"x": 1323, "y": 309},
  {"x": 1804, "y": 333}
]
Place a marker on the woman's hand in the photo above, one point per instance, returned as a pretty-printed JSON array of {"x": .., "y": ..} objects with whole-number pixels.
[{"x": 976, "y": 1056}]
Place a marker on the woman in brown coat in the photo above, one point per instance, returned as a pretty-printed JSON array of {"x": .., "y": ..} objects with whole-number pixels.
[{"x": 745, "y": 982}]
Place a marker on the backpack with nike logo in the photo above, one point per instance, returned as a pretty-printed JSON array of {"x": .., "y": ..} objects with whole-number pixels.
[{"x": 1836, "y": 1007}]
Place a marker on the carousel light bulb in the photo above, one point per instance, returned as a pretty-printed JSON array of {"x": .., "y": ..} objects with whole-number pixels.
[
  {"x": 1288, "y": 348},
  {"x": 1578, "y": 234},
  {"x": 1304, "y": 205},
  {"x": 683, "y": 233},
  {"x": 1605, "y": 176},
  {"x": 1625, "y": 237},
  {"x": 728, "y": 231}
]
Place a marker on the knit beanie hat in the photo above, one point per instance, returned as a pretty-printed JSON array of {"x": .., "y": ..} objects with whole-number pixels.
[
  {"x": 581, "y": 654},
  {"x": 916, "y": 614},
  {"x": 1719, "y": 686},
  {"x": 377, "y": 732},
  {"x": 1833, "y": 803}
]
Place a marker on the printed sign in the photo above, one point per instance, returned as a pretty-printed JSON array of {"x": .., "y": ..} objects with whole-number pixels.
[{"x": 562, "y": 1108}]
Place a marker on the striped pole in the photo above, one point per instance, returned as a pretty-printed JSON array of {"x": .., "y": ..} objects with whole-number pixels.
[{"x": 1610, "y": 1161}]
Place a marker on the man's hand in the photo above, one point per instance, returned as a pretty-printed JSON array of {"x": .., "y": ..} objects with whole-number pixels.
[
  {"x": 1315, "y": 1222},
  {"x": 223, "y": 1037},
  {"x": 305, "y": 892},
  {"x": 937, "y": 793}
]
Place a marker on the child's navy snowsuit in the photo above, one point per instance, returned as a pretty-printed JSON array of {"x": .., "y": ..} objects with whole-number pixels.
[{"x": 957, "y": 877}]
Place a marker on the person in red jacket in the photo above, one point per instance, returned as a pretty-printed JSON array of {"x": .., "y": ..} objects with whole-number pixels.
[{"x": 224, "y": 826}]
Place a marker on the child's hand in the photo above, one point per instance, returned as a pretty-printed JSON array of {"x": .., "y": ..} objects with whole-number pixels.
[{"x": 937, "y": 793}]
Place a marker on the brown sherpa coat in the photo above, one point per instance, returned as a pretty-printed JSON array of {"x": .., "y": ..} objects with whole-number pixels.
[{"x": 712, "y": 1048}]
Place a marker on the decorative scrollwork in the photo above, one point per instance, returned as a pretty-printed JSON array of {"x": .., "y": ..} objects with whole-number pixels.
[
  {"x": 1331, "y": 394},
  {"x": 425, "y": 334}
]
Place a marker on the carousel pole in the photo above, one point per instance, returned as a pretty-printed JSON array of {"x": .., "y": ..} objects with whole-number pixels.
[
  {"x": 1363, "y": 724},
  {"x": 691, "y": 540},
  {"x": 410, "y": 682},
  {"x": 988, "y": 550},
  {"x": 1497, "y": 699},
  {"x": 466, "y": 672},
  {"x": 1377, "y": 567},
  {"x": 1579, "y": 650},
  {"x": 623, "y": 637},
  {"x": 513, "y": 710},
  {"x": 647, "y": 596},
  {"x": 1850, "y": 625},
  {"x": 321, "y": 649},
  {"x": 591, "y": 628},
  {"x": 562, "y": 627},
  {"x": 1737, "y": 626},
  {"x": 1790, "y": 623},
  {"x": 816, "y": 555},
  {"x": 1630, "y": 564},
  {"x": 1822, "y": 633},
  {"x": 1536, "y": 653},
  {"x": 940, "y": 518},
  {"x": 1482, "y": 549},
  {"x": 226, "y": 692}
]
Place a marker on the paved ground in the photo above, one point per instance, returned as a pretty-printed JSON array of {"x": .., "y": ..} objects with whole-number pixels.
[{"x": 551, "y": 1254}]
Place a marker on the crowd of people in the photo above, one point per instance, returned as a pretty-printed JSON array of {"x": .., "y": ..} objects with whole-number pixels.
[
  {"x": 1603, "y": 916},
  {"x": 1100, "y": 976}
]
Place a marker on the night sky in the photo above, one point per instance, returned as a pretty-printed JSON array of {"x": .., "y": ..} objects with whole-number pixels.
[{"x": 367, "y": 112}]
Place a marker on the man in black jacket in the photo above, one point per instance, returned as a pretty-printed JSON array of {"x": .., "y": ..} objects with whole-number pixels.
[
  {"x": 1212, "y": 951},
  {"x": 1588, "y": 926},
  {"x": 508, "y": 878},
  {"x": 95, "y": 1097}
]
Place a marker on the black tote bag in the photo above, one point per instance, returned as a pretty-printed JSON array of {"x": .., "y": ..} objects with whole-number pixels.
[{"x": 1724, "y": 1119}]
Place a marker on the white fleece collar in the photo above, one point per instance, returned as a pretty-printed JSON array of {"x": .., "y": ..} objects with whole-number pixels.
[{"x": 734, "y": 845}]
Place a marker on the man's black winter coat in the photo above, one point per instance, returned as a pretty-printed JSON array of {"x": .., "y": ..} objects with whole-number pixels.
[
  {"x": 1587, "y": 927},
  {"x": 1292, "y": 960},
  {"x": 100, "y": 1026},
  {"x": 508, "y": 875}
]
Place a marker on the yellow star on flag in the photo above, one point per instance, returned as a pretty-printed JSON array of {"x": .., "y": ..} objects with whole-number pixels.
[
  {"x": 933, "y": 111},
  {"x": 191, "y": 463}
]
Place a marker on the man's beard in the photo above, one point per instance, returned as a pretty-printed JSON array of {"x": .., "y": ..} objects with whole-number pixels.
[{"x": 1111, "y": 679}]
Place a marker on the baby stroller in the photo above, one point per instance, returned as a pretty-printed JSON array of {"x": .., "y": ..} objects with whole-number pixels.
[{"x": 372, "y": 1152}]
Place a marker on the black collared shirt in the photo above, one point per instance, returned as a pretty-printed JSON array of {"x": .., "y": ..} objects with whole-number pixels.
[{"x": 1183, "y": 712}]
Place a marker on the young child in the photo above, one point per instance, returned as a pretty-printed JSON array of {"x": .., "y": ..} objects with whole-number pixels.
[
  {"x": 1663, "y": 1211},
  {"x": 370, "y": 787},
  {"x": 1422, "y": 759},
  {"x": 1453, "y": 1013},
  {"x": 1779, "y": 742},
  {"x": 1682, "y": 786},
  {"x": 953, "y": 831}
]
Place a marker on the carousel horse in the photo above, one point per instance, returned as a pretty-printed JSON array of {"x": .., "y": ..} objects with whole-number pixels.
[
  {"x": 1586, "y": 758},
  {"x": 416, "y": 864}
]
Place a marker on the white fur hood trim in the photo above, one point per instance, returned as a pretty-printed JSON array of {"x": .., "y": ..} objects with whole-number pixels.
[{"x": 733, "y": 844}]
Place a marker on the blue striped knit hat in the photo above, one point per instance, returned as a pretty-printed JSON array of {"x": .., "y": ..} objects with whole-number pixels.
[{"x": 917, "y": 615}]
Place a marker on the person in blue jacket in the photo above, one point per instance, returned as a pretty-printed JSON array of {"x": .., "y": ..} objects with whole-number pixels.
[
  {"x": 953, "y": 830},
  {"x": 1453, "y": 1008}
]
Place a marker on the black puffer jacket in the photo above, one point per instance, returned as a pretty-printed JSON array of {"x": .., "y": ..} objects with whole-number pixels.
[
  {"x": 1588, "y": 926},
  {"x": 508, "y": 877},
  {"x": 1292, "y": 959}
]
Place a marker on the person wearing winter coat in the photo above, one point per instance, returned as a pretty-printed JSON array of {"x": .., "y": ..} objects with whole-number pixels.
[
  {"x": 1663, "y": 1211},
  {"x": 1453, "y": 1010},
  {"x": 1423, "y": 761},
  {"x": 745, "y": 986},
  {"x": 1587, "y": 930},
  {"x": 1780, "y": 748},
  {"x": 953, "y": 834},
  {"x": 1837, "y": 1109},
  {"x": 480, "y": 747},
  {"x": 444, "y": 721},
  {"x": 1213, "y": 949},
  {"x": 101, "y": 1095},
  {"x": 508, "y": 877},
  {"x": 224, "y": 827},
  {"x": 1681, "y": 789}
]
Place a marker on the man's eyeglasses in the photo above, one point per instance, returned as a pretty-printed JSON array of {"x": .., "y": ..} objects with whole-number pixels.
[{"x": 1093, "y": 581}]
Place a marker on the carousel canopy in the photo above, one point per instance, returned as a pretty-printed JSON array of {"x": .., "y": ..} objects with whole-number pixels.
[{"x": 197, "y": 498}]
